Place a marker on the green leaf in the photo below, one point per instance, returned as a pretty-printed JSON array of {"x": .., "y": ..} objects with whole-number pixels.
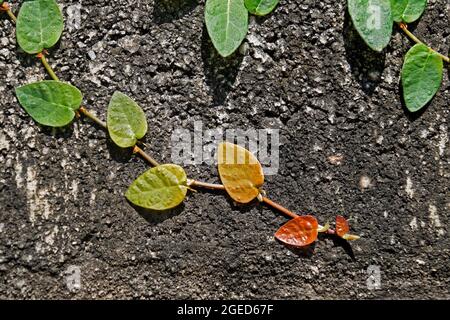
[
  {"x": 126, "y": 120},
  {"x": 373, "y": 21},
  {"x": 160, "y": 188},
  {"x": 421, "y": 76},
  {"x": 261, "y": 7},
  {"x": 407, "y": 10},
  {"x": 39, "y": 25},
  {"x": 227, "y": 24},
  {"x": 50, "y": 103}
]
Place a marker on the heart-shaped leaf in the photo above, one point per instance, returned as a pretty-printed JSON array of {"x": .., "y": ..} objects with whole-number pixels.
[
  {"x": 298, "y": 232},
  {"x": 260, "y": 7},
  {"x": 342, "y": 229},
  {"x": 50, "y": 103},
  {"x": 240, "y": 172},
  {"x": 421, "y": 76},
  {"x": 39, "y": 25},
  {"x": 227, "y": 24},
  {"x": 126, "y": 120},
  {"x": 160, "y": 188},
  {"x": 373, "y": 21},
  {"x": 407, "y": 10}
]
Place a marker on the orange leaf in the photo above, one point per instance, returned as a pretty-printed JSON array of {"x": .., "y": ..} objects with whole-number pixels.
[
  {"x": 298, "y": 232},
  {"x": 342, "y": 227},
  {"x": 240, "y": 172}
]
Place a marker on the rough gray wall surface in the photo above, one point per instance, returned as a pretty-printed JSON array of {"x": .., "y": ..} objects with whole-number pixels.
[{"x": 302, "y": 70}]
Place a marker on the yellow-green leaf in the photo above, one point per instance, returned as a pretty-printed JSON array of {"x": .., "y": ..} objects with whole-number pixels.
[
  {"x": 160, "y": 188},
  {"x": 50, "y": 103},
  {"x": 39, "y": 25},
  {"x": 240, "y": 172},
  {"x": 126, "y": 120},
  {"x": 421, "y": 76}
]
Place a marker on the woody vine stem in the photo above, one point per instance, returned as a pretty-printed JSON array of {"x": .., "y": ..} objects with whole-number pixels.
[{"x": 137, "y": 150}]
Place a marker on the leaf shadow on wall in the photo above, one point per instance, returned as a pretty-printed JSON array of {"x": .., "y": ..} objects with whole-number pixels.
[
  {"x": 339, "y": 242},
  {"x": 366, "y": 64},
  {"x": 165, "y": 11},
  {"x": 154, "y": 217},
  {"x": 305, "y": 252},
  {"x": 65, "y": 132},
  {"x": 220, "y": 73},
  {"x": 118, "y": 154},
  {"x": 27, "y": 61},
  {"x": 231, "y": 204}
]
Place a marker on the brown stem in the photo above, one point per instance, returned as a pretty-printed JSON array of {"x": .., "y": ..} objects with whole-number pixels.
[
  {"x": 91, "y": 116},
  {"x": 288, "y": 212},
  {"x": 47, "y": 66},
  {"x": 404, "y": 27},
  {"x": 267, "y": 201},
  {"x": 279, "y": 208},
  {"x": 212, "y": 186},
  {"x": 145, "y": 156},
  {"x": 194, "y": 183}
]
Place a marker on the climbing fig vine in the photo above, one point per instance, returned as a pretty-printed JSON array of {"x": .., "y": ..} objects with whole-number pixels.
[
  {"x": 164, "y": 186},
  {"x": 422, "y": 70}
]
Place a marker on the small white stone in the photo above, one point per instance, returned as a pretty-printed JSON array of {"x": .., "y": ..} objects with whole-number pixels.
[
  {"x": 413, "y": 224},
  {"x": 421, "y": 262},
  {"x": 365, "y": 182},
  {"x": 91, "y": 55},
  {"x": 409, "y": 187}
]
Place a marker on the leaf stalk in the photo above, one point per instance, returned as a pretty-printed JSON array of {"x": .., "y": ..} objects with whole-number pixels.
[
  {"x": 52, "y": 74},
  {"x": 145, "y": 156},
  {"x": 91, "y": 116},
  {"x": 7, "y": 8},
  {"x": 404, "y": 27}
]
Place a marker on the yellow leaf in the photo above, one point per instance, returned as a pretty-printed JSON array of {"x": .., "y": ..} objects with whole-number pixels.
[{"x": 240, "y": 172}]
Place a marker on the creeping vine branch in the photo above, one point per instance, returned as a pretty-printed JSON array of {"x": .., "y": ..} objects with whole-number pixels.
[{"x": 55, "y": 103}]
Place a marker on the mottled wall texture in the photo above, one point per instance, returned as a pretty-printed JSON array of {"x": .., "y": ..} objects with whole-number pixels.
[{"x": 347, "y": 146}]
